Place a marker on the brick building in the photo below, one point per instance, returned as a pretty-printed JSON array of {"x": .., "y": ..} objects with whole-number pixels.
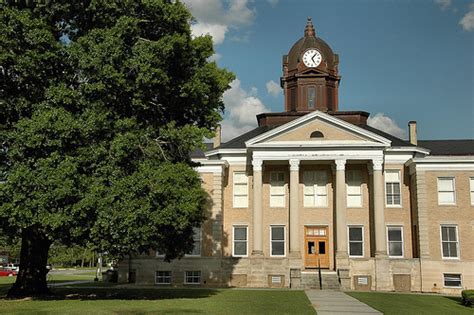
[{"x": 315, "y": 187}]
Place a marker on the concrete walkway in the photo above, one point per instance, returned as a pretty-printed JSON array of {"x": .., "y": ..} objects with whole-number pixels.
[{"x": 327, "y": 302}]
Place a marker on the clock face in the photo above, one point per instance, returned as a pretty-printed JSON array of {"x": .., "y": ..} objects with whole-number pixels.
[{"x": 312, "y": 58}]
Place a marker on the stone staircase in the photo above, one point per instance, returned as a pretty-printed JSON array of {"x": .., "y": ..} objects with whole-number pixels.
[{"x": 310, "y": 280}]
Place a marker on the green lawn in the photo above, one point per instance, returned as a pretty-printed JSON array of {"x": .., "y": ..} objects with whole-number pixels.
[
  {"x": 165, "y": 301},
  {"x": 405, "y": 304}
]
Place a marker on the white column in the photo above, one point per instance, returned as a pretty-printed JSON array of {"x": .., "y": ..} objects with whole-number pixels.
[
  {"x": 379, "y": 220},
  {"x": 257, "y": 208},
  {"x": 294, "y": 206},
  {"x": 341, "y": 209}
]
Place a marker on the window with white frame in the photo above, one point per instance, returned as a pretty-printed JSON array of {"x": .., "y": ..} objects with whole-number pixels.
[
  {"x": 163, "y": 277},
  {"x": 356, "y": 241},
  {"x": 241, "y": 190},
  {"x": 197, "y": 243},
  {"x": 452, "y": 280},
  {"x": 315, "y": 188},
  {"x": 471, "y": 184},
  {"x": 446, "y": 191},
  {"x": 192, "y": 277},
  {"x": 392, "y": 188},
  {"x": 277, "y": 189},
  {"x": 277, "y": 236},
  {"x": 354, "y": 189},
  {"x": 240, "y": 241},
  {"x": 395, "y": 241},
  {"x": 449, "y": 241}
]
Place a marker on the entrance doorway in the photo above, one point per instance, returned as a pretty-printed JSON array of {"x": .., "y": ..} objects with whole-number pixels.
[{"x": 316, "y": 247}]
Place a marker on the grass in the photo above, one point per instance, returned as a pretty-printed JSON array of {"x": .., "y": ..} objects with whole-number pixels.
[
  {"x": 395, "y": 303},
  {"x": 165, "y": 301}
]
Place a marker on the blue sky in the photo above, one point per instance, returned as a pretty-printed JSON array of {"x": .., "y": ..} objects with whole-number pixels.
[{"x": 399, "y": 60}]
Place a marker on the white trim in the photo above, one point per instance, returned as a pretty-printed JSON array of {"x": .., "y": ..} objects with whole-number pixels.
[
  {"x": 317, "y": 154},
  {"x": 324, "y": 117},
  {"x": 349, "y": 241},
  {"x": 284, "y": 239},
  {"x": 454, "y": 190},
  {"x": 409, "y": 149},
  {"x": 170, "y": 277},
  {"x": 225, "y": 151},
  {"x": 361, "y": 181},
  {"x": 458, "y": 253},
  {"x": 471, "y": 189},
  {"x": 389, "y": 226},
  {"x": 246, "y": 240},
  {"x": 315, "y": 187}
]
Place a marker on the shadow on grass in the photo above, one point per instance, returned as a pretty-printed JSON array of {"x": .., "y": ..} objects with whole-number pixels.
[{"x": 113, "y": 293}]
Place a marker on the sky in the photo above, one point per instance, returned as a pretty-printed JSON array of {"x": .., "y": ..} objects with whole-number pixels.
[{"x": 400, "y": 60}]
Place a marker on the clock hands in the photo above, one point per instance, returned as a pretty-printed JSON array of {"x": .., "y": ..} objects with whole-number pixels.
[{"x": 312, "y": 58}]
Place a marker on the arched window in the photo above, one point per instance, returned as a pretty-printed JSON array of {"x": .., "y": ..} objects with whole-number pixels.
[{"x": 316, "y": 134}]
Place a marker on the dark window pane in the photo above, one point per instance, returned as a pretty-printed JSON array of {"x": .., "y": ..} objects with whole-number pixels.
[
  {"x": 278, "y": 233},
  {"x": 394, "y": 235},
  {"x": 240, "y": 248},
  {"x": 452, "y": 233},
  {"x": 395, "y": 249},
  {"x": 453, "y": 250},
  {"x": 355, "y": 234},
  {"x": 444, "y": 233},
  {"x": 445, "y": 249},
  {"x": 278, "y": 248},
  {"x": 355, "y": 249},
  {"x": 311, "y": 97},
  {"x": 311, "y": 249},
  {"x": 240, "y": 234},
  {"x": 322, "y": 248}
]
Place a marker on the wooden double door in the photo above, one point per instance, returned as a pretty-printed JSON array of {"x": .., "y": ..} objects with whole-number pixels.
[{"x": 316, "y": 247}]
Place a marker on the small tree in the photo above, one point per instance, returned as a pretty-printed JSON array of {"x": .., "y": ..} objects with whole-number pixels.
[{"x": 101, "y": 103}]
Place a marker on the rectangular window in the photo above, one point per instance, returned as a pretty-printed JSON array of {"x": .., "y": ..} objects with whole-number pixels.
[
  {"x": 277, "y": 189},
  {"x": 446, "y": 194},
  {"x": 163, "y": 277},
  {"x": 315, "y": 189},
  {"x": 356, "y": 241},
  {"x": 277, "y": 240},
  {"x": 240, "y": 241},
  {"x": 311, "y": 97},
  {"x": 241, "y": 190},
  {"x": 354, "y": 190},
  {"x": 293, "y": 99},
  {"x": 392, "y": 188},
  {"x": 449, "y": 241},
  {"x": 471, "y": 183},
  {"x": 452, "y": 280},
  {"x": 197, "y": 243},
  {"x": 192, "y": 277},
  {"x": 395, "y": 241}
]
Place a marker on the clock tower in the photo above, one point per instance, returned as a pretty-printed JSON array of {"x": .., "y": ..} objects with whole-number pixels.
[{"x": 310, "y": 78}]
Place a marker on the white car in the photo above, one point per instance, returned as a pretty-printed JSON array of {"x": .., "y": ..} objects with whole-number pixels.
[{"x": 12, "y": 267}]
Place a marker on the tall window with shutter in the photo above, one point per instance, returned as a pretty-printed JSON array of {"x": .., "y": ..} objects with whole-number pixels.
[
  {"x": 446, "y": 191},
  {"x": 392, "y": 188},
  {"x": 277, "y": 189},
  {"x": 354, "y": 189},
  {"x": 315, "y": 188}
]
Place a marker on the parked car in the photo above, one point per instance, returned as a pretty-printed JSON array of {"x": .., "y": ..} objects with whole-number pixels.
[
  {"x": 7, "y": 273},
  {"x": 12, "y": 267}
]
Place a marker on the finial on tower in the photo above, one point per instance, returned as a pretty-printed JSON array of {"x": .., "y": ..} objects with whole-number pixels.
[{"x": 309, "y": 29}]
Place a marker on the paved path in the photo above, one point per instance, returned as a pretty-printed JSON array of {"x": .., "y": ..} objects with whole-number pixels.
[{"x": 337, "y": 303}]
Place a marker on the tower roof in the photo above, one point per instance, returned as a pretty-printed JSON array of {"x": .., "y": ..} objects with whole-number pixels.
[{"x": 310, "y": 40}]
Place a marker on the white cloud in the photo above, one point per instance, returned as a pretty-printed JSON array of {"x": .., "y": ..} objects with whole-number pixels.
[
  {"x": 443, "y": 4},
  {"x": 387, "y": 124},
  {"x": 273, "y": 88},
  {"x": 467, "y": 21},
  {"x": 217, "y": 17},
  {"x": 215, "y": 57},
  {"x": 242, "y": 106},
  {"x": 273, "y": 3}
]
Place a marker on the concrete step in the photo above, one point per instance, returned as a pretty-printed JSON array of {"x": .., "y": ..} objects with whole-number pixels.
[{"x": 329, "y": 280}]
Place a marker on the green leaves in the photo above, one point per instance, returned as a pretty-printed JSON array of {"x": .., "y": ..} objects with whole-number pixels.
[{"x": 101, "y": 104}]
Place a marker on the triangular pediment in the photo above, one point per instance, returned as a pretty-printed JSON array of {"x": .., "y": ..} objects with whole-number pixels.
[{"x": 318, "y": 129}]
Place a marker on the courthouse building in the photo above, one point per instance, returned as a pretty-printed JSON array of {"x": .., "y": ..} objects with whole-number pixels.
[{"x": 315, "y": 188}]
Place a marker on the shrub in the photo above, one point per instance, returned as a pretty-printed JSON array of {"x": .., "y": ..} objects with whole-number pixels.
[{"x": 467, "y": 297}]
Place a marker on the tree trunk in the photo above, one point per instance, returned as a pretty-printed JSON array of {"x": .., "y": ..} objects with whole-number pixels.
[{"x": 31, "y": 279}]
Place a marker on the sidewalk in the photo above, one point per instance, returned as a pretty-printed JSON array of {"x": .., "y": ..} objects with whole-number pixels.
[{"x": 328, "y": 302}]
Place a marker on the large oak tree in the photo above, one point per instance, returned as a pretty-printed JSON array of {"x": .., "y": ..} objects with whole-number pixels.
[{"x": 101, "y": 103}]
